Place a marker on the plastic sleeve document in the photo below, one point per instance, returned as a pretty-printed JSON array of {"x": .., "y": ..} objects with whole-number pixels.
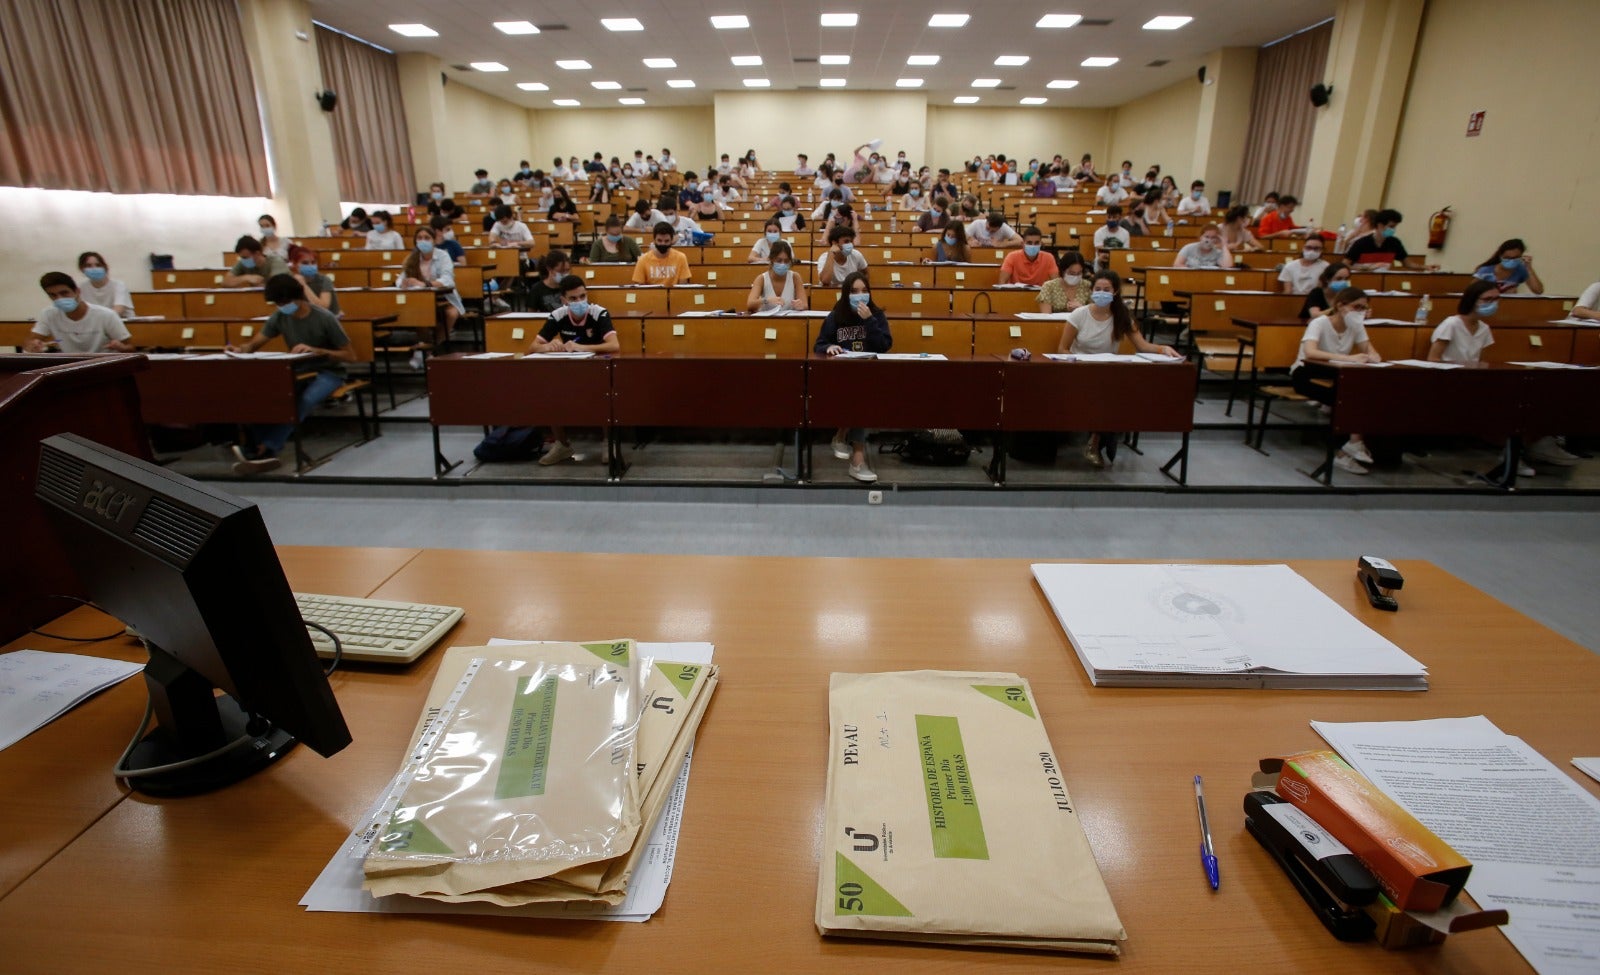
[
  {"x": 1217, "y": 626},
  {"x": 1531, "y": 832}
]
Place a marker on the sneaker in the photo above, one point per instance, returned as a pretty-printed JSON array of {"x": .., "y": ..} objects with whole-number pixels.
[
  {"x": 841, "y": 449},
  {"x": 1523, "y": 470},
  {"x": 1546, "y": 451},
  {"x": 557, "y": 453},
  {"x": 238, "y": 455},
  {"x": 260, "y": 465},
  {"x": 1358, "y": 450},
  {"x": 416, "y": 360},
  {"x": 863, "y": 473},
  {"x": 499, "y": 304},
  {"x": 1091, "y": 452},
  {"x": 1349, "y": 464}
]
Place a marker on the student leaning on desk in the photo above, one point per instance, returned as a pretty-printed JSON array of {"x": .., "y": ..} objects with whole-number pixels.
[
  {"x": 74, "y": 325},
  {"x": 575, "y": 326}
]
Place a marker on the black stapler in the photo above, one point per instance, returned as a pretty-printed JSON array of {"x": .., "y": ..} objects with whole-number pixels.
[{"x": 1381, "y": 579}]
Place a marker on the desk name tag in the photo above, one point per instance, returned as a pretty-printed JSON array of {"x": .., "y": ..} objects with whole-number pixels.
[
  {"x": 630, "y": 298},
  {"x": 1221, "y": 305},
  {"x": 1228, "y": 278},
  {"x": 1405, "y": 285},
  {"x": 1535, "y": 341},
  {"x": 771, "y": 334},
  {"x": 678, "y": 328},
  {"x": 399, "y": 299},
  {"x": 961, "y": 275},
  {"x": 216, "y": 279},
  {"x": 172, "y": 279},
  {"x": 517, "y": 334},
  {"x": 711, "y": 275},
  {"x": 211, "y": 299},
  {"x": 916, "y": 297},
  {"x": 188, "y": 333},
  {"x": 1016, "y": 331},
  {"x": 247, "y": 330},
  {"x": 1165, "y": 279},
  {"x": 699, "y": 299},
  {"x": 927, "y": 331},
  {"x": 894, "y": 276}
]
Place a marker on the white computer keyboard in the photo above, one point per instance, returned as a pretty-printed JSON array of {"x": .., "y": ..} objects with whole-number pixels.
[{"x": 376, "y": 630}]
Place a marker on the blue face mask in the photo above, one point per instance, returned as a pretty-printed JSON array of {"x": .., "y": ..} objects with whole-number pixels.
[
  {"x": 268, "y": 232},
  {"x": 290, "y": 308},
  {"x": 916, "y": 192},
  {"x": 578, "y": 309},
  {"x": 949, "y": 240},
  {"x": 1196, "y": 194},
  {"x": 1337, "y": 286},
  {"x": 436, "y": 195},
  {"x": 1388, "y": 232},
  {"x": 857, "y": 300},
  {"x": 308, "y": 270},
  {"x": 425, "y": 247},
  {"x": 1487, "y": 308},
  {"x": 66, "y": 305},
  {"x": 247, "y": 262},
  {"x": 1102, "y": 298},
  {"x": 1032, "y": 250},
  {"x": 772, "y": 238},
  {"x": 780, "y": 268},
  {"x": 846, "y": 247},
  {"x": 95, "y": 274},
  {"x": 1511, "y": 263},
  {"x": 380, "y": 227},
  {"x": 614, "y": 238}
]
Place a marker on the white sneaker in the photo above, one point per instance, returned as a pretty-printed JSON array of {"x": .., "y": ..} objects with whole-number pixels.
[
  {"x": 1358, "y": 450},
  {"x": 498, "y": 304},
  {"x": 238, "y": 454},
  {"x": 416, "y": 360},
  {"x": 863, "y": 473},
  {"x": 557, "y": 453},
  {"x": 1523, "y": 470},
  {"x": 1546, "y": 451},
  {"x": 841, "y": 449},
  {"x": 246, "y": 468},
  {"x": 1091, "y": 452},
  {"x": 1349, "y": 464}
]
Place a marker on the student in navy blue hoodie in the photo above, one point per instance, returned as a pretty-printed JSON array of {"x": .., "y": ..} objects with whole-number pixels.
[{"x": 856, "y": 324}]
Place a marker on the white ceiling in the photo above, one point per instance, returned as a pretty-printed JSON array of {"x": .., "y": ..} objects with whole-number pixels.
[{"x": 782, "y": 30}]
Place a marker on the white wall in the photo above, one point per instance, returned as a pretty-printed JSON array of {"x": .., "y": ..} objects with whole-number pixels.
[
  {"x": 1158, "y": 128},
  {"x": 779, "y": 124},
  {"x": 957, "y": 133},
  {"x": 486, "y": 132},
  {"x": 126, "y": 229},
  {"x": 582, "y": 132}
]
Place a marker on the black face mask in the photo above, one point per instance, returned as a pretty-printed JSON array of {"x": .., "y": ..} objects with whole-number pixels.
[{"x": 663, "y": 248}]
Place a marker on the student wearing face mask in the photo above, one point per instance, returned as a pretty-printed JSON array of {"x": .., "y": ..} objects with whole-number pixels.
[
  {"x": 855, "y": 324},
  {"x": 938, "y": 215},
  {"x": 318, "y": 286},
  {"x": 1382, "y": 249},
  {"x": 668, "y": 164},
  {"x": 1151, "y": 181},
  {"x": 1111, "y": 235},
  {"x": 1236, "y": 231},
  {"x": 1085, "y": 169},
  {"x": 97, "y": 287},
  {"x": 436, "y": 197},
  {"x": 575, "y": 325},
  {"x": 305, "y": 329},
  {"x": 661, "y": 265},
  {"x": 560, "y": 170},
  {"x": 1279, "y": 221},
  {"x": 1148, "y": 217},
  {"x": 1111, "y": 192},
  {"x": 761, "y": 250},
  {"x": 993, "y": 231},
  {"x": 1299, "y": 277},
  {"x": 682, "y": 224},
  {"x": 506, "y": 193},
  {"x": 1031, "y": 265},
  {"x": 844, "y": 215},
  {"x": 444, "y": 237},
  {"x": 545, "y": 295},
  {"x": 789, "y": 217},
  {"x": 1462, "y": 337},
  {"x": 1127, "y": 175},
  {"x": 1208, "y": 251},
  {"x": 1509, "y": 267},
  {"x": 72, "y": 324},
  {"x": 830, "y": 202},
  {"x": 383, "y": 236},
  {"x": 841, "y": 259},
  {"x": 508, "y": 231},
  {"x": 951, "y": 247},
  {"x": 1338, "y": 336},
  {"x": 613, "y": 246},
  {"x": 271, "y": 243},
  {"x": 562, "y": 209},
  {"x": 484, "y": 185},
  {"x": 1069, "y": 290},
  {"x": 428, "y": 266},
  {"x": 1334, "y": 279},
  {"x": 357, "y": 222},
  {"x": 778, "y": 288},
  {"x": 803, "y": 166},
  {"x": 254, "y": 266},
  {"x": 900, "y": 185},
  {"x": 1170, "y": 197},
  {"x": 1195, "y": 204},
  {"x": 915, "y": 201}
]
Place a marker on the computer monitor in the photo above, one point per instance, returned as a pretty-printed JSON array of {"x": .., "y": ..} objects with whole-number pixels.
[{"x": 193, "y": 571}]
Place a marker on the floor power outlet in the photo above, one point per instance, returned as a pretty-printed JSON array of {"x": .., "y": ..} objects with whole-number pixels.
[{"x": 874, "y": 497}]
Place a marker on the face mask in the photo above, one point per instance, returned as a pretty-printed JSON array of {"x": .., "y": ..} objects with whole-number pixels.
[
  {"x": 1388, "y": 232},
  {"x": 268, "y": 232},
  {"x": 67, "y": 305},
  {"x": 857, "y": 300},
  {"x": 916, "y": 192},
  {"x": 290, "y": 308},
  {"x": 846, "y": 247},
  {"x": 1102, "y": 298},
  {"x": 380, "y": 227},
  {"x": 1338, "y": 286},
  {"x": 1072, "y": 280},
  {"x": 95, "y": 274},
  {"x": 788, "y": 212},
  {"x": 613, "y": 237},
  {"x": 772, "y": 238},
  {"x": 578, "y": 309},
  {"x": 425, "y": 247},
  {"x": 1032, "y": 250},
  {"x": 308, "y": 270},
  {"x": 526, "y": 171},
  {"x": 1313, "y": 256},
  {"x": 1112, "y": 223},
  {"x": 436, "y": 195},
  {"x": 247, "y": 262},
  {"x": 1354, "y": 318},
  {"x": 663, "y": 248},
  {"x": 949, "y": 240},
  {"x": 1195, "y": 194},
  {"x": 505, "y": 190},
  {"x": 780, "y": 269},
  {"x": 1487, "y": 308},
  {"x": 1511, "y": 263}
]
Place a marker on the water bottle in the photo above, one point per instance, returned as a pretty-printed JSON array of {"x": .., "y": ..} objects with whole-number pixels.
[
  {"x": 1169, "y": 227},
  {"x": 1338, "y": 243},
  {"x": 894, "y": 223},
  {"x": 1424, "y": 307}
]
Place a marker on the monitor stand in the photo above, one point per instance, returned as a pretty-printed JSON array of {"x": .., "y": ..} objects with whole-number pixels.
[{"x": 191, "y": 720}]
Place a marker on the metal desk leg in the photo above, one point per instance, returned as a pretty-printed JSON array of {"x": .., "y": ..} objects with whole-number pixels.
[
  {"x": 997, "y": 467},
  {"x": 1233, "y": 388},
  {"x": 1181, "y": 458},
  {"x": 441, "y": 463},
  {"x": 1324, "y": 473}
]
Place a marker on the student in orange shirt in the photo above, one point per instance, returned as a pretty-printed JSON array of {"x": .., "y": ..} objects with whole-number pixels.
[
  {"x": 661, "y": 264},
  {"x": 1031, "y": 265},
  {"x": 1280, "y": 222}
]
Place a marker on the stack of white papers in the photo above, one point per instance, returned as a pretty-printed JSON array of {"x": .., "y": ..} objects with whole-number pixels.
[
  {"x": 39, "y": 687},
  {"x": 557, "y": 355},
  {"x": 1425, "y": 364},
  {"x": 490, "y": 355},
  {"x": 1551, "y": 365},
  {"x": 1043, "y": 316},
  {"x": 1111, "y": 357},
  {"x": 920, "y": 356},
  {"x": 1218, "y": 626}
]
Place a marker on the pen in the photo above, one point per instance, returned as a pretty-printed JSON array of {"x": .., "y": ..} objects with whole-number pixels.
[{"x": 1208, "y": 853}]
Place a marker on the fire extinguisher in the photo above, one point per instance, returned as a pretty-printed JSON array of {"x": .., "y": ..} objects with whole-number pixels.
[{"x": 1438, "y": 229}]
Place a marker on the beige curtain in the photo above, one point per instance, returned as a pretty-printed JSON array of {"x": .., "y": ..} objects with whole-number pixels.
[
  {"x": 1278, "y": 146},
  {"x": 371, "y": 147},
  {"x": 146, "y": 97}
]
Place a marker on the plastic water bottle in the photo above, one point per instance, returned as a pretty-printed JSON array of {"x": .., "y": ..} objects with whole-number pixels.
[
  {"x": 894, "y": 223},
  {"x": 1169, "y": 227},
  {"x": 1424, "y": 307}
]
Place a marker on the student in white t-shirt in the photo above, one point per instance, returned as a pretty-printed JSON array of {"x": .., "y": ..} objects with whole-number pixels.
[
  {"x": 508, "y": 231},
  {"x": 1195, "y": 204},
  {"x": 99, "y": 288},
  {"x": 72, "y": 324},
  {"x": 1588, "y": 306},
  {"x": 761, "y": 251},
  {"x": 1208, "y": 251},
  {"x": 644, "y": 217},
  {"x": 383, "y": 236},
  {"x": 1299, "y": 277},
  {"x": 1112, "y": 192},
  {"x": 1338, "y": 336},
  {"x": 993, "y": 231},
  {"x": 1462, "y": 337},
  {"x": 668, "y": 164}
]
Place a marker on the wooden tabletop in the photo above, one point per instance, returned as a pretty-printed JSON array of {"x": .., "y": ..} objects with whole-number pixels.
[{"x": 176, "y": 885}]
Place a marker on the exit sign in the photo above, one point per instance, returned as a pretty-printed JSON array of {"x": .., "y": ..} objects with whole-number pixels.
[{"x": 1475, "y": 124}]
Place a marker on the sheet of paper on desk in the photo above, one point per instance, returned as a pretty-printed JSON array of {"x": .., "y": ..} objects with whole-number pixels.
[
  {"x": 1217, "y": 626},
  {"x": 1043, "y": 316},
  {"x": 37, "y": 687},
  {"x": 338, "y": 887},
  {"x": 856, "y": 355},
  {"x": 490, "y": 355},
  {"x": 1569, "y": 320},
  {"x": 912, "y": 356},
  {"x": 145, "y": 318},
  {"x": 1589, "y": 767},
  {"x": 1531, "y": 832},
  {"x": 1551, "y": 365},
  {"x": 518, "y": 316},
  {"x": 1425, "y": 364},
  {"x": 162, "y": 356},
  {"x": 557, "y": 355}
]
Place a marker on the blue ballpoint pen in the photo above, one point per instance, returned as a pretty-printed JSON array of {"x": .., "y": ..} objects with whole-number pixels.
[{"x": 1208, "y": 853}]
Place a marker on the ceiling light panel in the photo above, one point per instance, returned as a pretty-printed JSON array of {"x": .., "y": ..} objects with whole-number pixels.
[
  {"x": 630, "y": 101},
  {"x": 831, "y": 82},
  {"x": 757, "y": 83},
  {"x": 607, "y": 85},
  {"x": 489, "y": 66},
  {"x": 966, "y": 99},
  {"x": 1099, "y": 62},
  {"x": 730, "y": 22},
  {"x": 834, "y": 59},
  {"x": 746, "y": 60},
  {"x": 567, "y": 102},
  {"x": 908, "y": 83},
  {"x": 1057, "y": 21},
  {"x": 1011, "y": 60},
  {"x": 680, "y": 83},
  {"x": 840, "y": 20},
  {"x": 533, "y": 86},
  {"x": 660, "y": 63},
  {"x": 414, "y": 30},
  {"x": 1166, "y": 23},
  {"x": 1062, "y": 83},
  {"x": 949, "y": 20},
  {"x": 923, "y": 60},
  {"x": 515, "y": 27},
  {"x": 985, "y": 82},
  {"x": 1034, "y": 101},
  {"x": 576, "y": 65},
  {"x": 621, "y": 23}
]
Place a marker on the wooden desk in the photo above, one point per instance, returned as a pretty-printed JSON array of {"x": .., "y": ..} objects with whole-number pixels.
[
  {"x": 199, "y": 883},
  {"x": 732, "y": 391},
  {"x": 900, "y": 394},
  {"x": 508, "y": 392}
]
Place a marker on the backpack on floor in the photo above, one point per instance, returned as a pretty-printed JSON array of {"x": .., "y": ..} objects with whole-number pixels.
[
  {"x": 509, "y": 443},
  {"x": 935, "y": 448}
]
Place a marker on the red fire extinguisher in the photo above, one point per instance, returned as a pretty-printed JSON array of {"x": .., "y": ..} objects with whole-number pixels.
[{"x": 1438, "y": 229}]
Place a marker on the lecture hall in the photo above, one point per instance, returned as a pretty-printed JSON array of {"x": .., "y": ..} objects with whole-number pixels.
[{"x": 347, "y": 336}]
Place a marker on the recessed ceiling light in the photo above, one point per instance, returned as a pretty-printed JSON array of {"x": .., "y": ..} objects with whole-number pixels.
[
  {"x": 621, "y": 23},
  {"x": 533, "y": 86},
  {"x": 985, "y": 82},
  {"x": 731, "y": 22},
  {"x": 966, "y": 99},
  {"x": 1011, "y": 60},
  {"x": 1166, "y": 23},
  {"x": 1058, "y": 21},
  {"x": 414, "y": 30},
  {"x": 680, "y": 83},
  {"x": 489, "y": 66},
  {"x": 1034, "y": 101},
  {"x": 949, "y": 20},
  {"x": 515, "y": 27},
  {"x": 747, "y": 60},
  {"x": 1062, "y": 83},
  {"x": 757, "y": 83},
  {"x": 1099, "y": 62},
  {"x": 566, "y": 102},
  {"x": 834, "y": 59},
  {"x": 908, "y": 83},
  {"x": 607, "y": 85},
  {"x": 630, "y": 101},
  {"x": 831, "y": 82},
  {"x": 923, "y": 59},
  {"x": 660, "y": 63},
  {"x": 839, "y": 20},
  {"x": 574, "y": 65}
]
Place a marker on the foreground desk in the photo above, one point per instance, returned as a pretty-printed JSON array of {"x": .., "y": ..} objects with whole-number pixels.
[{"x": 212, "y": 881}]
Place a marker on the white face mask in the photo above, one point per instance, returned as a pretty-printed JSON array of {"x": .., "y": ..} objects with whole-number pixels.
[
  {"x": 1313, "y": 257},
  {"x": 1072, "y": 280},
  {"x": 1352, "y": 319}
]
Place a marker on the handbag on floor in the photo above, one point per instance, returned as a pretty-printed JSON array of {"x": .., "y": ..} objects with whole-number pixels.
[{"x": 509, "y": 443}]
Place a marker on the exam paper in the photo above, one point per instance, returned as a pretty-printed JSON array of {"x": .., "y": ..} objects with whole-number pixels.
[
  {"x": 490, "y": 355},
  {"x": 1043, "y": 316},
  {"x": 1551, "y": 365},
  {"x": 923, "y": 356},
  {"x": 37, "y": 687},
  {"x": 1589, "y": 767},
  {"x": 1424, "y": 364},
  {"x": 1531, "y": 832}
]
